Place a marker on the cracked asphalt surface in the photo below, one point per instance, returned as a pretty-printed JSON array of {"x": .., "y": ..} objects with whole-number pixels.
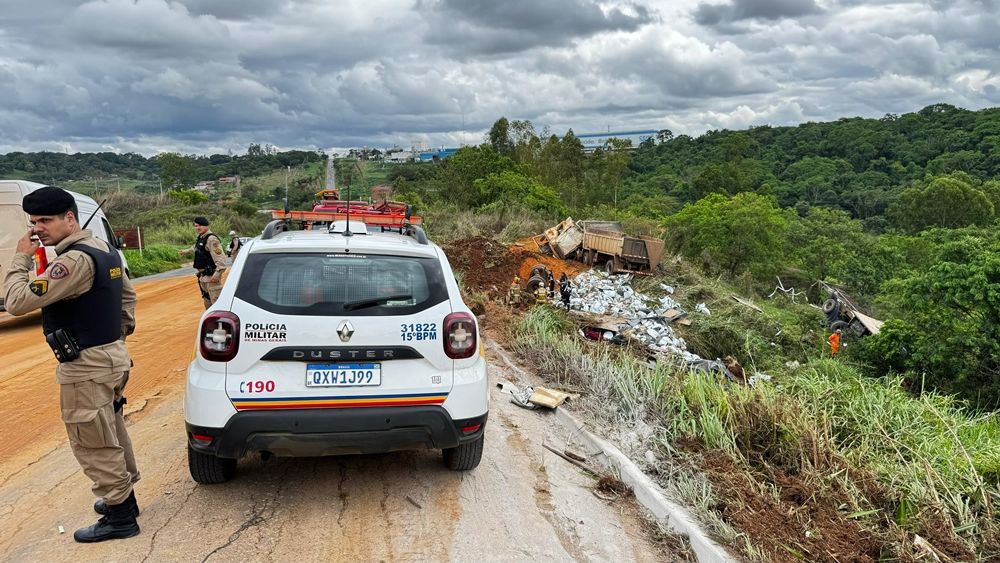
[{"x": 521, "y": 503}]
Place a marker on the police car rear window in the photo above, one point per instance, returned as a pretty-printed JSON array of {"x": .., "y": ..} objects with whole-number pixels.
[{"x": 341, "y": 284}]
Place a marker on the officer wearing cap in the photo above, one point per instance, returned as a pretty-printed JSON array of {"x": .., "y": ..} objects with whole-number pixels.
[
  {"x": 88, "y": 308},
  {"x": 209, "y": 261},
  {"x": 235, "y": 244}
]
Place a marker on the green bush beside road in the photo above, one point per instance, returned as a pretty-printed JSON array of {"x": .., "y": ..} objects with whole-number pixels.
[{"x": 152, "y": 260}]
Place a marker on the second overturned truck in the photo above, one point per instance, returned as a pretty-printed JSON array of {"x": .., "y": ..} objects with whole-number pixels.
[{"x": 603, "y": 243}]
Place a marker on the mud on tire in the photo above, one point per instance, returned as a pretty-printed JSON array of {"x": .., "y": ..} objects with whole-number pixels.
[
  {"x": 465, "y": 457},
  {"x": 208, "y": 469}
]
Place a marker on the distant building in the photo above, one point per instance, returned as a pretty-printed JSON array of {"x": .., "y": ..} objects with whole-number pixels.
[
  {"x": 204, "y": 186},
  {"x": 592, "y": 141},
  {"x": 399, "y": 156},
  {"x": 438, "y": 154},
  {"x": 229, "y": 179}
]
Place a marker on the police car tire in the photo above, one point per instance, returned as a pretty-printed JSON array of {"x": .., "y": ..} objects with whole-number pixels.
[
  {"x": 208, "y": 469},
  {"x": 465, "y": 457}
]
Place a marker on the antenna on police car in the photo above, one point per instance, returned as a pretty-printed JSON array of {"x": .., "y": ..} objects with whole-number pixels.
[
  {"x": 94, "y": 214},
  {"x": 347, "y": 229}
]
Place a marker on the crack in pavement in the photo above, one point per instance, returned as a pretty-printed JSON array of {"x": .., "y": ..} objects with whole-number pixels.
[
  {"x": 256, "y": 519},
  {"x": 342, "y": 495},
  {"x": 152, "y": 542},
  {"x": 261, "y": 513},
  {"x": 26, "y": 467}
]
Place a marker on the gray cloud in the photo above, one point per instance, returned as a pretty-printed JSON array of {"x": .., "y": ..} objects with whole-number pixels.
[
  {"x": 738, "y": 10},
  {"x": 508, "y": 26},
  {"x": 201, "y": 75}
]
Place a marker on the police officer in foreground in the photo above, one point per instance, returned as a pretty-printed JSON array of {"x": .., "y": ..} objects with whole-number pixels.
[
  {"x": 88, "y": 308},
  {"x": 209, "y": 261}
]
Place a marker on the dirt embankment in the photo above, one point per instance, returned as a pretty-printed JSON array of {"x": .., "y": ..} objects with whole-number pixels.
[{"x": 489, "y": 267}]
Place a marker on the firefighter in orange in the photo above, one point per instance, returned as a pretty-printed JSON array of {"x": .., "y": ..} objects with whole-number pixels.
[{"x": 834, "y": 341}]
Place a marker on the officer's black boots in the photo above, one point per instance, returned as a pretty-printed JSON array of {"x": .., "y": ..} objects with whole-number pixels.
[
  {"x": 118, "y": 523},
  {"x": 101, "y": 507}
]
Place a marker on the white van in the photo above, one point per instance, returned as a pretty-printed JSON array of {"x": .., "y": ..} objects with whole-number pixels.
[{"x": 14, "y": 222}]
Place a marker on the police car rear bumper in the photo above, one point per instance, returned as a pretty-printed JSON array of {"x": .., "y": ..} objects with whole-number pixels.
[{"x": 321, "y": 432}]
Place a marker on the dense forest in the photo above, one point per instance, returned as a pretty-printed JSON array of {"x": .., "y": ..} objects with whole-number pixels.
[{"x": 176, "y": 171}]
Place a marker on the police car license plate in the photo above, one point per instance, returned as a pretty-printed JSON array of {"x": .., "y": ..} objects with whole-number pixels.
[{"x": 343, "y": 375}]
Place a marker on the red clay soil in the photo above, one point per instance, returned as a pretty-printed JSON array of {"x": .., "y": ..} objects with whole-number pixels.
[
  {"x": 489, "y": 266},
  {"x": 801, "y": 526},
  {"x": 530, "y": 254}
]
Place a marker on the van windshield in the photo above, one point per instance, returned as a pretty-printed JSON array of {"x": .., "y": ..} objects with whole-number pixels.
[{"x": 341, "y": 284}]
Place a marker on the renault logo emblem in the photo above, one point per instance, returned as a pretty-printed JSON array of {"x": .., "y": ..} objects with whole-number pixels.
[{"x": 345, "y": 331}]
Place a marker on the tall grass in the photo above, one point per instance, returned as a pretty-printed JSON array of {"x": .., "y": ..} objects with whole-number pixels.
[{"x": 928, "y": 456}]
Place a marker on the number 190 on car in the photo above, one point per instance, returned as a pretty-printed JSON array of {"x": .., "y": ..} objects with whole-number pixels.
[{"x": 343, "y": 375}]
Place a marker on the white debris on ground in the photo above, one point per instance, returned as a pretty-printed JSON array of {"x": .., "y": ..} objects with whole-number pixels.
[
  {"x": 647, "y": 318},
  {"x": 703, "y": 309}
]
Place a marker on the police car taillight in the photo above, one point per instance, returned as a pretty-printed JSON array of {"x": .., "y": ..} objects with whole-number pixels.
[
  {"x": 459, "y": 336},
  {"x": 220, "y": 336}
]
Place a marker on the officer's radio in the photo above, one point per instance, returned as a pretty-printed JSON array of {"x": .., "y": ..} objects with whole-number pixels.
[{"x": 63, "y": 345}]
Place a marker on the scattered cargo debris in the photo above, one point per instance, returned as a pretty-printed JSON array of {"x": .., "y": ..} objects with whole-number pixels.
[
  {"x": 564, "y": 239},
  {"x": 747, "y": 303},
  {"x": 579, "y": 464},
  {"x": 548, "y": 398}
]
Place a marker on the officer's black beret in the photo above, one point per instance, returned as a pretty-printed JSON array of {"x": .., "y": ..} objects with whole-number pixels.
[
  {"x": 201, "y": 221},
  {"x": 47, "y": 201}
]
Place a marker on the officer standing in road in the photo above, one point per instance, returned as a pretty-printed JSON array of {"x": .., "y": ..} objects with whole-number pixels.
[
  {"x": 209, "y": 261},
  {"x": 88, "y": 308},
  {"x": 234, "y": 245}
]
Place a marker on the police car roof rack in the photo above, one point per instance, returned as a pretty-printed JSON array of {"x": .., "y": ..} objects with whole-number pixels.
[
  {"x": 415, "y": 232},
  {"x": 273, "y": 228}
]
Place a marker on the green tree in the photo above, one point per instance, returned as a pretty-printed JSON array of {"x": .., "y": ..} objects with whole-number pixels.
[
  {"x": 744, "y": 233},
  {"x": 500, "y": 138},
  {"x": 947, "y": 201},
  {"x": 947, "y": 328},
  {"x": 511, "y": 189},
  {"x": 824, "y": 241},
  {"x": 175, "y": 170}
]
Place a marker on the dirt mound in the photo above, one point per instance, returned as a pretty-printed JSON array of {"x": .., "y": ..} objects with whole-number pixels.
[
  {"x": 486, "y": 265},
  {"x": 531, "y": 255},
  {"x": 489, "y": 266}
]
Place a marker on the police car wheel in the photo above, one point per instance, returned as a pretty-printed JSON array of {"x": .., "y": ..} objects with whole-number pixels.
[
  {"x": 465, "y": 457},
  {"x": 208, "y": 469}
]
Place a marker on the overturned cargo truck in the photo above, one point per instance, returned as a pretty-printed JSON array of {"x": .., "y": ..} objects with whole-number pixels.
[{"x": 604, "y": 242}]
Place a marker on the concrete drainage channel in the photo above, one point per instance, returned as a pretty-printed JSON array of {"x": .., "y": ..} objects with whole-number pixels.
[{"x": 670, "y": 515}]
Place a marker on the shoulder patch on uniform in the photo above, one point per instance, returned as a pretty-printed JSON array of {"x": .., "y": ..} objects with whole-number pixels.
[
  {"x": 217, "y": 250},
  {"x": 39, "y": 287},
  {"x": 115, "y": 273},
  {"x": 58, "y": 271}
]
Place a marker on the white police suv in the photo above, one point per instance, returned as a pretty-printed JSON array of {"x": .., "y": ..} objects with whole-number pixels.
[{"x": 336, "y": 341}]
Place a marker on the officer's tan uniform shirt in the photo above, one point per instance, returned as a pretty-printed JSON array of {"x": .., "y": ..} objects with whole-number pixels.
[
  {"x": 214, "y": 247},
  {"x": 70, "y": 275}
]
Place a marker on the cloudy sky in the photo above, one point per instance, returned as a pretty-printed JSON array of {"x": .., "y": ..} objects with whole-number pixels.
[{"x": 201, "y": 76}]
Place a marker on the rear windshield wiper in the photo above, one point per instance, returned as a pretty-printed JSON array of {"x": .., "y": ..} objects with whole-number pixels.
[{"x": 364, "y": 303}]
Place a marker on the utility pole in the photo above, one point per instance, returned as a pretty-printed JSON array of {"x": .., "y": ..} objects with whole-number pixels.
[
  {"x": 287, "y": 170},
  {"x": 161, "y": 190}
]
